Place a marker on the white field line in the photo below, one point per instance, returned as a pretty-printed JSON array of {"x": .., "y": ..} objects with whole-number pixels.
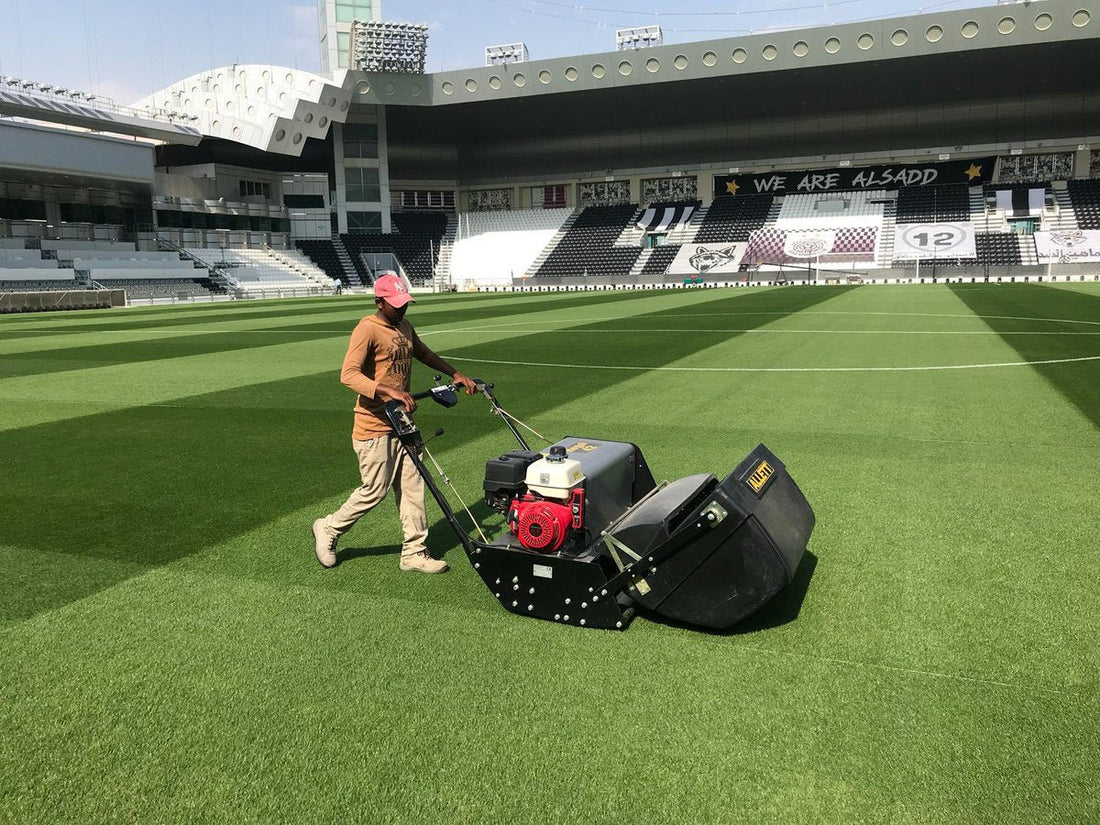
[
  {"x": 595, "y": 319},
  {"x": 557, "y": 330},
  {"x": 772, "y": 369},
  {"x": 534, "y": 327}
]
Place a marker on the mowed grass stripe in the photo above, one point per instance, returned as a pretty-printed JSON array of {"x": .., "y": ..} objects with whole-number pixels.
[
  {"x": 1078, "y": 382},
  {"x": 36, "y": 356}
]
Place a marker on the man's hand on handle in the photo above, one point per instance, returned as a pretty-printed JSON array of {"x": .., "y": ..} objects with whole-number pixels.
[
  {"x": 464, "y": 381},
  {"x": 391, "y": 394}
]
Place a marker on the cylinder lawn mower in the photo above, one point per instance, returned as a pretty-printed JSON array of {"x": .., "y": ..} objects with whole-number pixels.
[{"x": 591, "y": 536}]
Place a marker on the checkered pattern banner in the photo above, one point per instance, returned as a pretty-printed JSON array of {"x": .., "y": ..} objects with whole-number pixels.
[{"x": 786, "y": 246}]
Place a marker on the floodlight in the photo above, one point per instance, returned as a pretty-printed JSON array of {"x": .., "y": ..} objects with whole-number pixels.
[
  {"x": 389, "y": 47},
  {"x": 638, "y": 38}
]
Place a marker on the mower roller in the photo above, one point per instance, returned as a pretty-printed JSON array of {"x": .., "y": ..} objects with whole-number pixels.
[{"x": 591, "y": 537}]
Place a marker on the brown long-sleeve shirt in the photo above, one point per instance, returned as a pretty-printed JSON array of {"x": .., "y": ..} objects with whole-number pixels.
[{"x": 378, "y": 354}]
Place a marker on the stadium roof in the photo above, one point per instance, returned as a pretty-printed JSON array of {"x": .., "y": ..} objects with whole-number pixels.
[
  {"x": 992, "y": 56},
  {"x": 97, "y": 117},
  {"x": 854, "y": 45}
]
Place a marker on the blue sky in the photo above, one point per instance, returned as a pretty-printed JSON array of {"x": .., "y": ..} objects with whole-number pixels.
[{"x": 126, "y": 49}]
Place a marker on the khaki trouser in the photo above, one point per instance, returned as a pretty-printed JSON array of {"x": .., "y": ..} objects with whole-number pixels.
[{"x": 383, "y": 464}]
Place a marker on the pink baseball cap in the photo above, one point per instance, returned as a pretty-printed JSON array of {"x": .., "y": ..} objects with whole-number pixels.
[{"x": 393, "y": 289}]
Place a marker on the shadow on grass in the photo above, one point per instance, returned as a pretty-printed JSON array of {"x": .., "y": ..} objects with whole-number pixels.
[
  {"x": 1002, "y": 307},
  {"x": 787, "y": 604},
  {"x": 142, "y": 487},
  {"x": 182, "y": 345}
]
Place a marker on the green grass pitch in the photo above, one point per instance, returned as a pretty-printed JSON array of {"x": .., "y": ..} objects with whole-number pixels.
[{"x": 172, "y": 652}]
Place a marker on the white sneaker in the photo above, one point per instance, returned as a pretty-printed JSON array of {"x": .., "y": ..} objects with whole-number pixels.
[
  {"x": 424, "y": 563},
  {"x": 324, "y": 545}
]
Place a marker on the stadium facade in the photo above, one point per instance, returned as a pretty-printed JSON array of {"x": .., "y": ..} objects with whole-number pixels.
[{"x": 251, "y": 155}]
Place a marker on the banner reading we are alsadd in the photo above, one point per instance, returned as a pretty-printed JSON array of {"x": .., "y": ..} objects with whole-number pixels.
[{"x": 971, "y": 172}]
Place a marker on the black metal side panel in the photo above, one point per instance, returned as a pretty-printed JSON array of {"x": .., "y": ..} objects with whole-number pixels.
[
  {"x": 553, "y": 586},
  {"x": 748, "y": 555},
  {"x": 612, "y": 471}
]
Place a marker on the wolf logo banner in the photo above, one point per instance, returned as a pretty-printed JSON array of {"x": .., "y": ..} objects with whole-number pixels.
[{"x": 707, "y": 259}]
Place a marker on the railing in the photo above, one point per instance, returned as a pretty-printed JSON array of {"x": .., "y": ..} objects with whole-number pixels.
[
  {"x": 99, "y": 103},
  {"x": 221, "y": 278}
]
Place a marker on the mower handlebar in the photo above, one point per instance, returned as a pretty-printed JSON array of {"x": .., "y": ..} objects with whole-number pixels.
[
  {"x": 433, "y": 392},
  {"x": 430, "y": 393}
]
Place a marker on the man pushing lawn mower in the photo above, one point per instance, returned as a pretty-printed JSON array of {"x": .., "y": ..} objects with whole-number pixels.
[
  {"x": 590, "y": 535},
  {"x": 378, "y": 366}
]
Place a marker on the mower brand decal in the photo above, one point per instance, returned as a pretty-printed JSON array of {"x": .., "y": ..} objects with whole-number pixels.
[
  {"x": 759, "y": 477},
  {"x": 543, "y": 571},
  {"x": 583, "y": 446}
]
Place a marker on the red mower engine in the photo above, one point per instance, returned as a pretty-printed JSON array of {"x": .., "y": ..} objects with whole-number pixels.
[
  {"x": 544, "y": 524},
  {"x": 543, "y": 497}
]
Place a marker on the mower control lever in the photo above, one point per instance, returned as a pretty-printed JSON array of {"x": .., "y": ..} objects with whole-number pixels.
[{"x": 444, "y": 394}]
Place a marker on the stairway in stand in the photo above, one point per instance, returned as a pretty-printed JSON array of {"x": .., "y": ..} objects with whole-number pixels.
[
  {"x": 443, "y": 280},
  {"x": 350, "y": 269}
]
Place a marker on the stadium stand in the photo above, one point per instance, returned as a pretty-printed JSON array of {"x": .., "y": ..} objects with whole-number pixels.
[
  {"x": 415, "y": 243},
  {"x": 733, "y": 218},
  {"x": 1085, "y": 197},
  {"x": 923, "y": 204},
  {"x": 833, "y": 210},
  {"x": 495, "y": 247},
  {"x": 588, "y": 247},
  {"x": 322, "y": 252},
  {"x": 997, "y": 248},
  {"x": 265, "y": 270},
  {"x": 659, "y": 260}
]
